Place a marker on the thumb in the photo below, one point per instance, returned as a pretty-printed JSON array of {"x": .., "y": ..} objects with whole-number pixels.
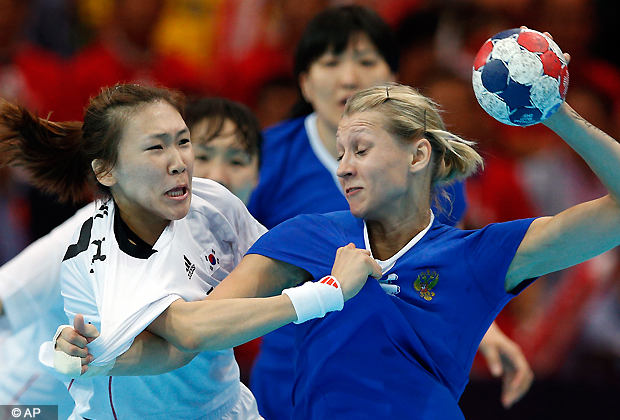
[
  {"x": 494, "y": 362},
  {"x": 376, "y": 269},
  {"x": 87, "y": 331}
]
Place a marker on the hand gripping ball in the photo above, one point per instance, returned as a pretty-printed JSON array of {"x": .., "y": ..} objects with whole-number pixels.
[{"x": 520, "y": 77}]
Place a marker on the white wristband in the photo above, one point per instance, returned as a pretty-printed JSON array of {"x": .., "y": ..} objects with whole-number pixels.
[
  {"x": 71, "y": 366},
  {"x": 315, "y": 299}
]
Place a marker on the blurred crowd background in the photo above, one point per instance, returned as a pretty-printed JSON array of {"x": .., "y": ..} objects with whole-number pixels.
[{"x": 55, "y": 54}]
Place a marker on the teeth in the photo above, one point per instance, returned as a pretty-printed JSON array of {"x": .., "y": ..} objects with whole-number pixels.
[{"x": 176, "y": 193}]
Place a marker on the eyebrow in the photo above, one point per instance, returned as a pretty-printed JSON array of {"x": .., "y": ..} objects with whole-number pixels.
[
  {"x": 230, "y": 151},
  {"x": 164, "y": 136}
]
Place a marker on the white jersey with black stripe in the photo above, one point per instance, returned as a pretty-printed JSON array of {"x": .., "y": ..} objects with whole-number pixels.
[{"x": 120, "y": 286}]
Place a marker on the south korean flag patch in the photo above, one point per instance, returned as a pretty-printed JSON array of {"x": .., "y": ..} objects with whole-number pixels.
[{"x": 211, "y": 257}]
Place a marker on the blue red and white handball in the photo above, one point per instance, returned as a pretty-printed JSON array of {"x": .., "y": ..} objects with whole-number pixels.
[{"x": 520, "y": 77}]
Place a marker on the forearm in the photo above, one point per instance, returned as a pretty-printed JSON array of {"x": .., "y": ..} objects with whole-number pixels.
[
  {"x": 211, "y": 325},
  {"x": 600, "y": 151},
  {"x": 150, "y": 355}
]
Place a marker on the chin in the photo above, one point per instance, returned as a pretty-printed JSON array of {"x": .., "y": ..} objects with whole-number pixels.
[
  {"x": 179, "y": 212},
  {"x": 357, "y": 213}
]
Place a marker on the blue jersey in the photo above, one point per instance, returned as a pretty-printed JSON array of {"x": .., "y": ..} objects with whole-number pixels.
[
  {"x": 298, "y": 176},
  {"x": 402, "y": 356}
]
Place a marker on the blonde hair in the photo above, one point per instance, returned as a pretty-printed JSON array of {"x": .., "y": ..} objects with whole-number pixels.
[{"x": 409, "y": 116}]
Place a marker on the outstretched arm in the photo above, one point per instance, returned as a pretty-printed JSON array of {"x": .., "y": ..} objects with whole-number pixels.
[
  {"x": 227, "y": 317},
  {"x": 582, "y": 231}
]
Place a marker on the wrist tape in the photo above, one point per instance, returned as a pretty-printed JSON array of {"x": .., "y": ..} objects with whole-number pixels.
[
  {"x": 71, "y": 366},
  {"x": 315, "y": 299}
]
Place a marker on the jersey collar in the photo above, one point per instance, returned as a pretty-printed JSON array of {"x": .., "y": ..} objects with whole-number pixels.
[
  {"x": 389, "y": 263},
  {"x": 319, "y": 149},
  {"x": 129, "y": 242}
]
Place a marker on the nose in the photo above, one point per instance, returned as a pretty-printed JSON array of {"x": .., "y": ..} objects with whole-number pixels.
[
  {"x": 177, "y": 164},
  {"x": 345, "y": 168},
  {"x": 349, "y": 75},
  {"x": 217, "y": 172}
]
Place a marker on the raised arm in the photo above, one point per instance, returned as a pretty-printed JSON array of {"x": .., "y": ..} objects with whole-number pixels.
[{"x": 582, "y": 231}]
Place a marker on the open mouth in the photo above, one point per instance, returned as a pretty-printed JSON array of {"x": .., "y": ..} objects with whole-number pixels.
[{"x": 177, "y": 192}]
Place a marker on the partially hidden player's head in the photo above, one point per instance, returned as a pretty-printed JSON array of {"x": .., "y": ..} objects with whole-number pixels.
[
  {"x": 343, "y": 49},
  {"x": 227, "y": 140},
  {"x": 394, "y": 149},
  {"x": 133, "y": 145}
]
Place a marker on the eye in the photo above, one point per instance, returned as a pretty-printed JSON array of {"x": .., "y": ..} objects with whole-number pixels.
[
  {"x": 330, "y": 62},
  {"x": 369, "y": 62},
  {"x": 361, "y": 152},
  {"x": 156, "y": 147},
  {"x": 339, "y": 158},
  {"x": 183, "y": 142},
  {"x": 202, "y": 158}
]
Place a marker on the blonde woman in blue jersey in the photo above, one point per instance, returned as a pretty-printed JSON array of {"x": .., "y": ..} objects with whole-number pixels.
[
  {"x": 447, "y": 284},
  {"x": 342, "y": 50},
  {"x": 155, "y": 237}
]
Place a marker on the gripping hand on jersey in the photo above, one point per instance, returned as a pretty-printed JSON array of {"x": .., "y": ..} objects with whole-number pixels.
[
  {"x": 352, "y": 268},
  {"x": 71, "y": 355}
]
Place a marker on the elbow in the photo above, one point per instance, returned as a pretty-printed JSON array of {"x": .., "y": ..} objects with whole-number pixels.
[
  {"x": 194, "y": 341},
  {"x": 188, "y": 343}
]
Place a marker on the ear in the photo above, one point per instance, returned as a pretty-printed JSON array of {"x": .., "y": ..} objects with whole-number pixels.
[
  {"x": 106, "y": 178},
  {"x": 303, "y": 85},
  {"x": 421, "y": 155}
]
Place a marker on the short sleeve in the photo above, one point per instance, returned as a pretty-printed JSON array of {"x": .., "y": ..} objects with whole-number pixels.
[
  {"x": 491, "y": 250},
  {"x": 308, "y": 241},
  {"x": 246, "y": 227}
]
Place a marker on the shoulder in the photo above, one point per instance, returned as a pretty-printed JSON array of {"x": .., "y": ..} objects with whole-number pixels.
[
  {"x": 282, "y": 132},
  {"x": 518, "y": 227},
  {"x": 213, "y": 195},
  {"x": 212, "y": 200},
  {"x": 94, "y": 228},
  {"x": 340, "y": 221}
]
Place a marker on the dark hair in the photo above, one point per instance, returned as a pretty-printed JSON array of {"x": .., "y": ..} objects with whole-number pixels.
[
  {"x": 217, "y": 111},
  {"x": 333, "y": 28},
  {"x": 58, "y": 156}
]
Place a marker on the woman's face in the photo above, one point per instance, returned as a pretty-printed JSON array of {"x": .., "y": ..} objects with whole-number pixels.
[
  {"x": 374, "y": 169},
  {"x": 334, "y": 78},
  {"x": 151, "y": 181},
  {"x": 224, "y": 159}
]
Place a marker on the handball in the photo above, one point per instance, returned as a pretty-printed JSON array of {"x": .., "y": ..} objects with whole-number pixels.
[{"x": 520, "y": 77}]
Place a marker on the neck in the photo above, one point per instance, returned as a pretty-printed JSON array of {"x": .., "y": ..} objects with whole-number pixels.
[
  {"x": 388, "y": 236},
  {"x": 327, "y": 133},
  {"x": 147, "y": 229}
]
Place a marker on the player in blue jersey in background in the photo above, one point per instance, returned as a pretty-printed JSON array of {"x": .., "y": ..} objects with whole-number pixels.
[{"x": 343, "y": 49}]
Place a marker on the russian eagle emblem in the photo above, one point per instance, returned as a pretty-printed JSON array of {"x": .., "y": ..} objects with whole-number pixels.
[{"x": 425, "y": 282}]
